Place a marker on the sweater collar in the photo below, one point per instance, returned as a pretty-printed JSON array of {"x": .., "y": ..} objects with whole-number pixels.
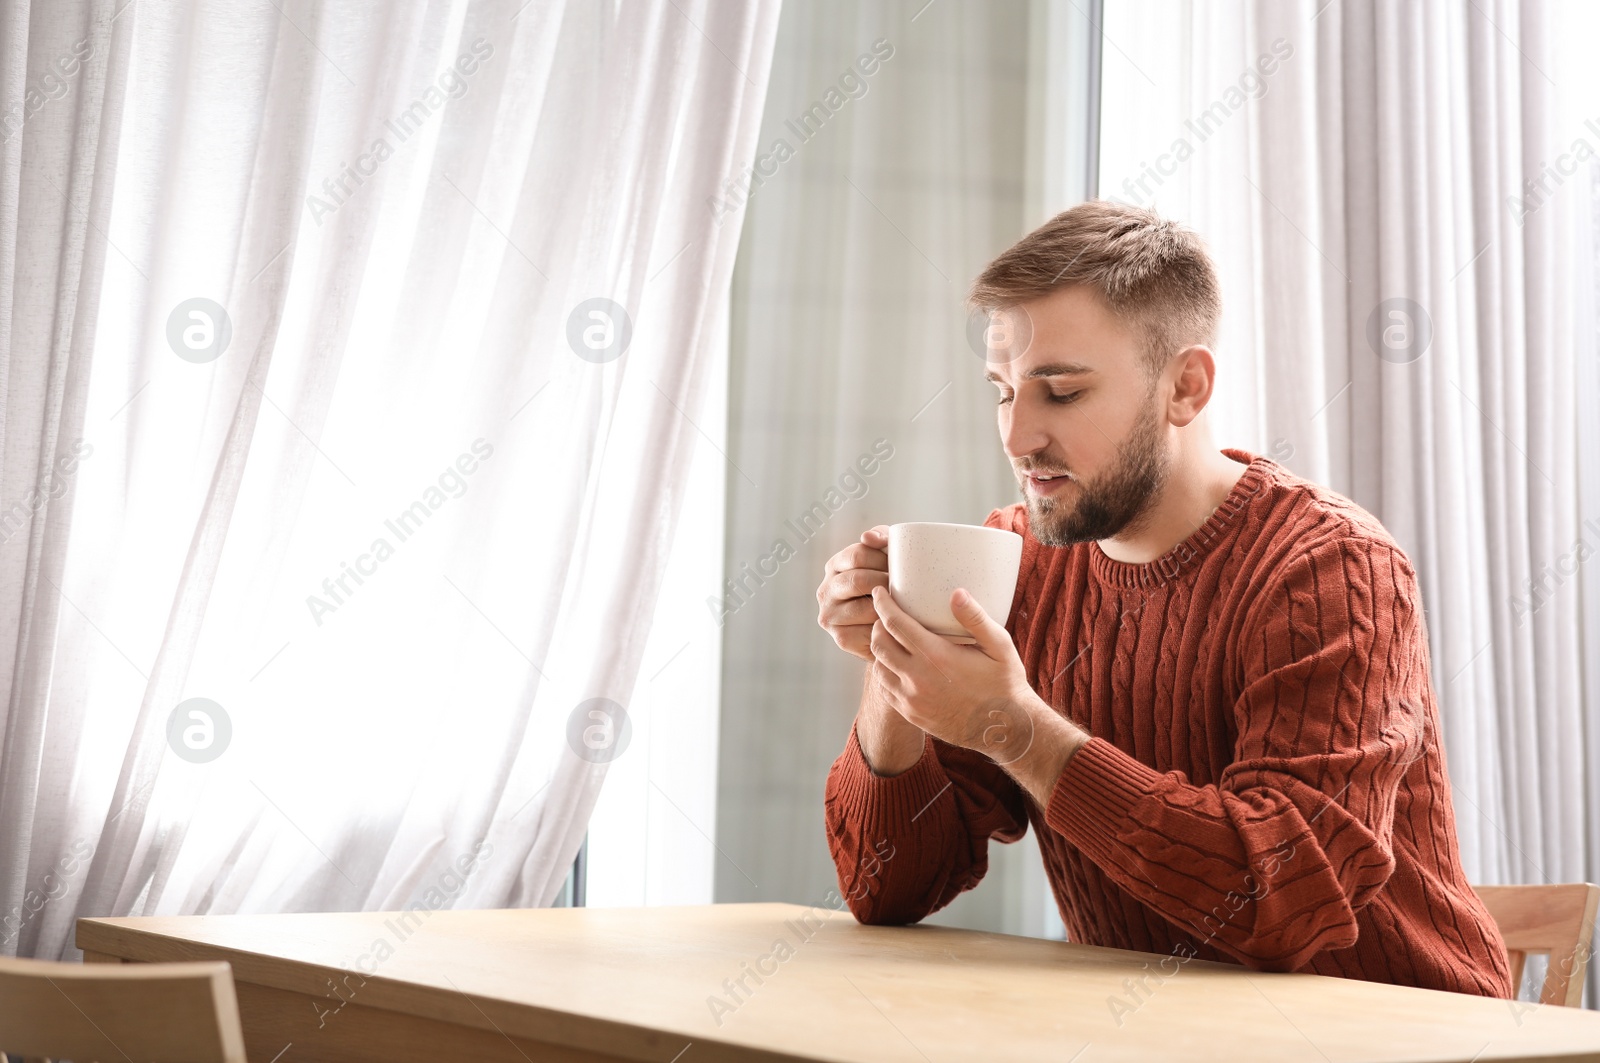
[{"x": 1184, "y": 555}]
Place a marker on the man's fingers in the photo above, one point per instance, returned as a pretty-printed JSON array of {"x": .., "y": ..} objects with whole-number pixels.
[
  {"x": 887, "y": 649},
  {"x": 865, "y": 555},
  {"x": 858, "y": 582},
  {"x": 845, "y": 606},
  {"x": 992, "y": 636},
  {"x": 902, "y": 625},
  {"x": 857, "y": 555},
  {"x": 886, "y": 682},
  {"x": 844, "y": 588},
  {"x": 850, "y": 613},
  {"x": 888, "y": 655},
  {"x": 857, "y": 612}
]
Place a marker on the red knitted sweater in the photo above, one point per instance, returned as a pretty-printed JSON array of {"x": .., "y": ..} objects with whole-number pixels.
[{"x": 1264, "y": 783}]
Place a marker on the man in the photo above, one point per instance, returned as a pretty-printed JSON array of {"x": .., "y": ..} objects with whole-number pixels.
[{"x": 1212, "y": 697}]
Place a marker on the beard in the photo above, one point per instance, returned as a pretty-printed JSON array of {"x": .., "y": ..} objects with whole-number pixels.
[{"x": 1113, "y": 502}]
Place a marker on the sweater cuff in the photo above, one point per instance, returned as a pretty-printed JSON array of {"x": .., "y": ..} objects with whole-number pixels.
[
  {"x": 1090, "y": 803},
  {"x": 889, "y": 802}
]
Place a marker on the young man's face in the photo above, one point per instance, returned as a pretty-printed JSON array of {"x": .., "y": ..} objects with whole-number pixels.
[{"x": 1075, "y": 398}]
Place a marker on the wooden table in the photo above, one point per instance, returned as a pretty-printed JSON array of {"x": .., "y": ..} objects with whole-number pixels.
[{"x": 590, "y": 984}]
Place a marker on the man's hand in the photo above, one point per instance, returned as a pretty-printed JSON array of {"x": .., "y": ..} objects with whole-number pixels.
[
  {"x": 844, "y": 610},
  {"x": 977, "y": 696},
  {"x": 844, "y": 605}
]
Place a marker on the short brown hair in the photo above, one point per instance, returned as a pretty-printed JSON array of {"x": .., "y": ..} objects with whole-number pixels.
[{"x": 1152, "y": 272}]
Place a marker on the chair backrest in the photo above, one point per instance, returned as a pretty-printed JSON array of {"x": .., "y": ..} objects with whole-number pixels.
[
  {"x": 166, "y": 1012},
  {"x": 1558, "y": 920}
]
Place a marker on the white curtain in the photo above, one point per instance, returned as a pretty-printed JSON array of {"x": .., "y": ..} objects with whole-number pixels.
[
  {"x": 856, "y": 395},
  {"x": 405, "y": 316},
  {"x": 1405, "y": 320},
  {"x": 63, "y": 70}
]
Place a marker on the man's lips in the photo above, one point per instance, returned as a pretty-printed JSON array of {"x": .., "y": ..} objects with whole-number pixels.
[{"x": 1055, "y": 483}]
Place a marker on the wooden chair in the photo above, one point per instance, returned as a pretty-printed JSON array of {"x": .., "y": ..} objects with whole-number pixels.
[
  {"x": 1557, "y": 920},
  {"x": 166, "y": 1012}
]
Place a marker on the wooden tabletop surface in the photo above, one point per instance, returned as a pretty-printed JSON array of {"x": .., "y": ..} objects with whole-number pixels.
[{"x": 664, "y": 984}]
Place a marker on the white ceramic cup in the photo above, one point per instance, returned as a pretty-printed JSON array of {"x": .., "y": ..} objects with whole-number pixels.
[{"x": 928, "y": 561}]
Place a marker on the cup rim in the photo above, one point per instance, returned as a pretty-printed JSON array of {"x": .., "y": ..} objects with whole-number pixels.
[{"x": 952, "y": 524}]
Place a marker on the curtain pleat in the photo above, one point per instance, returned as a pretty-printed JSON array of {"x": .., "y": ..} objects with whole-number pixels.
[{"x": 63, "y": 69}]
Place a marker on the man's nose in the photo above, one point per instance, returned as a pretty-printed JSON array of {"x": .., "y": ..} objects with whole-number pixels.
[{"x": 1024, "y": 435}]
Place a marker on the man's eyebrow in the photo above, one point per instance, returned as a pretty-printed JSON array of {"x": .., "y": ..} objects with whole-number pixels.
[{"x": 1055, "y": 369}]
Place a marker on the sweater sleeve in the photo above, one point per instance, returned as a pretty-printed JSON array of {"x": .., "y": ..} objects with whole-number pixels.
[
  {"x": 906, "y": 845},
  {"x": 1271, "y": 864}
]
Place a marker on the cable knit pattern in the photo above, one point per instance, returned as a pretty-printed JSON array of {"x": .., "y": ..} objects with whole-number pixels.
[{"x": 1264, "y": 783}]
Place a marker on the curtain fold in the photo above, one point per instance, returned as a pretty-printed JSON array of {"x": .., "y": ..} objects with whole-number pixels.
[
  {"x": 63, "y": 69},
  {"x": 392, "y": 407}
]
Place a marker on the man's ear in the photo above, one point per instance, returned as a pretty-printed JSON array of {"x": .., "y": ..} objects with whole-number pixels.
[{"x": 1193, "y": 371}]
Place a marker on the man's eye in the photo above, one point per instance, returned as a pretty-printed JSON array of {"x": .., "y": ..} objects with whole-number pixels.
[{"x": 1060, "y": 399}]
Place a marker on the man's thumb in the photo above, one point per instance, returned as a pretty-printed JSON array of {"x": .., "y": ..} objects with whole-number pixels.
[{"x": 983, "y": 627}]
